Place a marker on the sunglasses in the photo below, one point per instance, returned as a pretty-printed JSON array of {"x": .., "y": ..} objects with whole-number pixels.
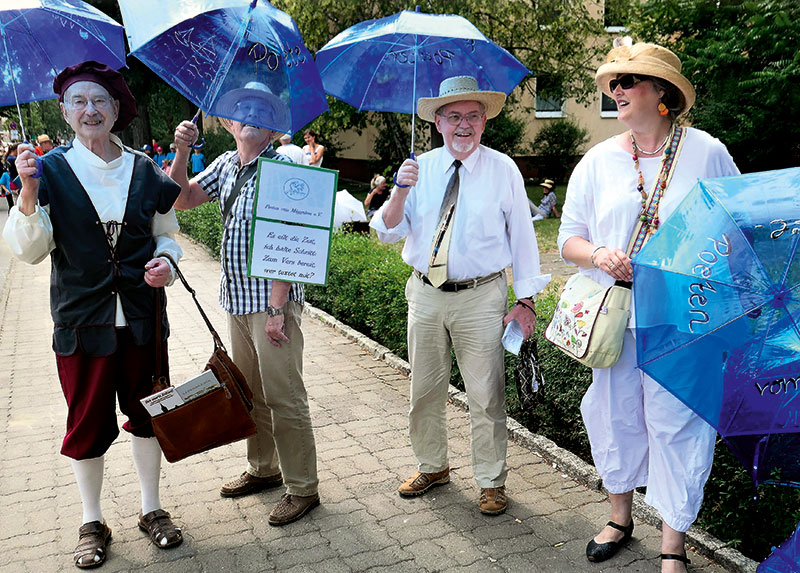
[{"x": 626, "y": 82}]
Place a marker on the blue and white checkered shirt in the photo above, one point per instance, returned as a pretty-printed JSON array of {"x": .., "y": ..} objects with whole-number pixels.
[{"x": 239, "y": 293}]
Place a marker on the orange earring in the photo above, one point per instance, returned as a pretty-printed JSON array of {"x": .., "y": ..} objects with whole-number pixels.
[{"x": 662, "y": 109}]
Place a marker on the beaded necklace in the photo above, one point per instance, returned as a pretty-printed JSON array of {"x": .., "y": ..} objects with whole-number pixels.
[
  {"x": 649, "y": 216},
  {"x": 651, "y": 220}
]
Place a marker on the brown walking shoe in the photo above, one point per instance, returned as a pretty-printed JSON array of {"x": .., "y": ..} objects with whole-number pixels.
[
  {"x": 291, "y": 508},
  {"x": 493, "y": 500},
  {"x": 247, "y": 483},
  {"x": 420, "y": 482}
]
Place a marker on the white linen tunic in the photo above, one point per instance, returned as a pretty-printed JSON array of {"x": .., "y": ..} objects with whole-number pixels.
[
  {"x": 30, "y": 238},
  {"x": 640, "y": 434}
]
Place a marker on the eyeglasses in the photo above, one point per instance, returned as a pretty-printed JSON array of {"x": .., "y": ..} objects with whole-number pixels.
[
  {"x": 626, "y": 82},
  {"x": 473, "y": 118},
  {"x": 80, "y": 103}
]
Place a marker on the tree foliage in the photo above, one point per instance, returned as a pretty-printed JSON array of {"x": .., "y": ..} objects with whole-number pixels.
[
  {"x": 551, "y": 37},
  {"x": 743, "y": 59},
  {"x": 557, "y": 144}
]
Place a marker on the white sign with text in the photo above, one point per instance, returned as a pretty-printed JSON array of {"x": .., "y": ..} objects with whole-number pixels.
[{"x": 292, "y": 222}]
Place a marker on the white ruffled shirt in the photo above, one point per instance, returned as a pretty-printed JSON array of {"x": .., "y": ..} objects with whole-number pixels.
[{"x": 30, "y": 238}]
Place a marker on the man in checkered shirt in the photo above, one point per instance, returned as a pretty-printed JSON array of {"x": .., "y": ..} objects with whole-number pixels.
[{"x": 263, "y": 315}]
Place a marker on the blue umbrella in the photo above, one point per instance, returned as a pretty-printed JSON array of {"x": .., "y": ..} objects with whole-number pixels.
[
  {"x": 389, "y": 63},
  {"x": 39, "y": 38},
  {"x": 784, "y": 559},
  {"x": 218, "y": 53},
  {"x": 717, "y": 301}
]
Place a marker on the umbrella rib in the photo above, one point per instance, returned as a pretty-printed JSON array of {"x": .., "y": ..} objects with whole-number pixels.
[
  {"x": 353, "y": 45},
  {"x": 372, "y": 79},
  {"x": 101, "y": 41},
  {"x": 229, "y": 55},
  {"x": 724, "y": 208}
]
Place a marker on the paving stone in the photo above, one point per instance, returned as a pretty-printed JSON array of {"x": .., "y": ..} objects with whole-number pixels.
[{"x": 359, "y": 408}]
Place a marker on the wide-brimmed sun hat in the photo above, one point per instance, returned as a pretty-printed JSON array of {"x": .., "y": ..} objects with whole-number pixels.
[
  {"x": 253, "y": 90},
  {"x": 548, "y": 183},
  {"x": 460, "y": 88},
  {"x": 647, "y": 60}
]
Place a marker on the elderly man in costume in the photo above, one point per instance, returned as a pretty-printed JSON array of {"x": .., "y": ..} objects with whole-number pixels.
[
  {"x": 103, "y": 212},
  {"x": 463, "y": 211},
  {"x": 263, "y": 315}
]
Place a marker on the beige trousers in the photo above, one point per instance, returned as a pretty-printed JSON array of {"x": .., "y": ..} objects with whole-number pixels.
[
  {"x": 285, "y": 439},
  {"x": 471, "y": 322}
]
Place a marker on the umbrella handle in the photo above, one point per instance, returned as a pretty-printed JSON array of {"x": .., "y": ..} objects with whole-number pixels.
[
  {"x": 39, "y": 169},
  {"x": 202, "y": 139},
  {"x": 394, "y": 175}
]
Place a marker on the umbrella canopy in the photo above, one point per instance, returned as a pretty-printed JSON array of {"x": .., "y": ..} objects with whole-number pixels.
[
  {"x": 39, "y": 38},
  {"x": 717, "y": 302},
  {"x": 389, "y": 63},
  {"x": 784, "y": 559},
  {"x": 221, "y": 54}
]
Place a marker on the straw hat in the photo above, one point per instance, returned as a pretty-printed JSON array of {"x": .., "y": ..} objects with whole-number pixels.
[
  {"x": 645, "y": 59},
  {"x": 43, "y": 138},
  {"x": 460, "y": 88},
  {"x": 547, "y": 183},
  {"x": 226, "y": 106}
]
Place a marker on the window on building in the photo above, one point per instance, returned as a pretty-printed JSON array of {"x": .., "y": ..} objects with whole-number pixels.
[
  {"x": 608, "y": 107},
  {"x": 616, "y": 14},
  {"x": 548, "y": 103}
]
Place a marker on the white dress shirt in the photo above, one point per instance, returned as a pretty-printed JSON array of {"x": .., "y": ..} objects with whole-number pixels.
[
  {"x": 492, "y": 226},
  {"x": 30, "y": 238}
]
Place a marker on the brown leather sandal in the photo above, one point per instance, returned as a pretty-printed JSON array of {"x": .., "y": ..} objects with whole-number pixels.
[
  {"x": 93, "y": 537},
  {"x": 158, "y": 525}
]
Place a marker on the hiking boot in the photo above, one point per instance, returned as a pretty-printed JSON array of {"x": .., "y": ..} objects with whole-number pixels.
[
  {"x": 493, "y": 500},
  {"x": 421, "y": 482}
]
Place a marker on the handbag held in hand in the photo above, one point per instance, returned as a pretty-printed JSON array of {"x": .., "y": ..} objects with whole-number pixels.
[{"x": 213, "y": 419}]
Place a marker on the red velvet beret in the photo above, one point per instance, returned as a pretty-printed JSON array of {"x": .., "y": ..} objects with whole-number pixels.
[{"x": 111, "y": 80}]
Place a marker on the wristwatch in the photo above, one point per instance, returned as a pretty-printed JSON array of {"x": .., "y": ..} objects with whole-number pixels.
[{"x": 272, "y": 311}]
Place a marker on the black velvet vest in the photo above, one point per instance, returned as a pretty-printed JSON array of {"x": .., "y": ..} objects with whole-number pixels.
[{"x": 86, "y": 276}]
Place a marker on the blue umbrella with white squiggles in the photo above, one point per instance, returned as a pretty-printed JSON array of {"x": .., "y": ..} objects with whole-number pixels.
[
  {"x": 39, "y": 38},
  {"x": 717, "y": 300},
  {"x": 389, "y": 63},
  {"x": 227, "y": 56}
]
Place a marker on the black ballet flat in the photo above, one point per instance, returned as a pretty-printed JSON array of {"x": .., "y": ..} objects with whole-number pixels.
[
  {"x": 675, "y": 557},
  {"x": 597, "y": 552}
]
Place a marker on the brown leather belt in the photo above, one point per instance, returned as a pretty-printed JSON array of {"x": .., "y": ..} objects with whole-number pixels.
[{"x": 455, "y": 286}]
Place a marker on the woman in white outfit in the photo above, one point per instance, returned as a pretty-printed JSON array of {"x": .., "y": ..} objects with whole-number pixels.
[{"x": 640, "y": 434}]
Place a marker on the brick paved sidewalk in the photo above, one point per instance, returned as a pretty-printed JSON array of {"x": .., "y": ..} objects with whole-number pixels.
[{"x": 358, "y": 406}]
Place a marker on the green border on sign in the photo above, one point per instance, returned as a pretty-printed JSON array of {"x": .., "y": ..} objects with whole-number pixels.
[{"x": 329, "y": 228}]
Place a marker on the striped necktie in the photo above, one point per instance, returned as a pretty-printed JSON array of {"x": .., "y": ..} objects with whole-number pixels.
[{"x": 437, "y": 267}]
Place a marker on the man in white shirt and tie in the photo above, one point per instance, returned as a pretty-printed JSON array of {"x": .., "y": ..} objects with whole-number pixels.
[{"x": 463, "y": 211}]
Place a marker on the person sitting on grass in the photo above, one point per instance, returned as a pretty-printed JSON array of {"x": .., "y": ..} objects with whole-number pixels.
[{"x": 547, "y": 207}]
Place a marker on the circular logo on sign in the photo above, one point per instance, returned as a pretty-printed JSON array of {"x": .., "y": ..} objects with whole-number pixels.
[{"x": 295, "y": 189}]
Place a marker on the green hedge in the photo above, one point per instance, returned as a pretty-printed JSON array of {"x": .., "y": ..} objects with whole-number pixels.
[{"x": 365, "y": 290}]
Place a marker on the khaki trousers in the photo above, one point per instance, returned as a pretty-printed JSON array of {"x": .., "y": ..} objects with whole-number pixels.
[
  {"x": 285, "y": 439},
  {"x": 471, "y": 322}
]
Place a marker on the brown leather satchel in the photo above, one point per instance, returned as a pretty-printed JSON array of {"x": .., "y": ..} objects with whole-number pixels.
[{"x": 214, "y": 419}]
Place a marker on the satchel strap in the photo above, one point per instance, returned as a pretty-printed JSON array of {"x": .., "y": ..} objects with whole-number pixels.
[
  {"x": 243, "y": 178},
  {"x": 160, "y": 375},
  {"x": 217, "y": 340}
]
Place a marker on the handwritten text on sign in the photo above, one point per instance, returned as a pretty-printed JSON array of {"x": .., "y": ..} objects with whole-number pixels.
[
  {"x": 292, "y": 220},
  {"x": 290, "y": 252}
]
